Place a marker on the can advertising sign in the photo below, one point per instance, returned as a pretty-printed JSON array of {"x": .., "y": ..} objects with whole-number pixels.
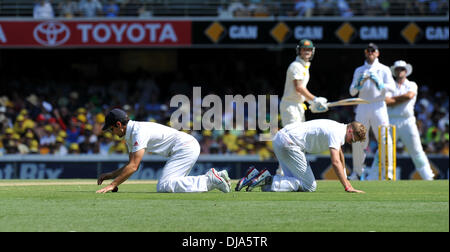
[
  {"x": 331, "y": 33},
  {"x": 96, "y": 33}
]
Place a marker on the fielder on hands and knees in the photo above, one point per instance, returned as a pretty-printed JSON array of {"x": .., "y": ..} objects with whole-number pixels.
[
  {"x": 371, "y": 81},
  {"x": 292, "y": 143},
  {"x": 292, "y": 107},
  {"x": 400, "y": 104},
  {"x": 181, "y": 148}
]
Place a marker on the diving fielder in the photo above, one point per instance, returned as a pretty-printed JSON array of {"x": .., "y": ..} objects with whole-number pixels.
[
  {"x": 295, "y": 88},
  {"x": 401, "y": 113},
  {"x": 370, "y": 82},
  {"x": 181, "y": 148}
]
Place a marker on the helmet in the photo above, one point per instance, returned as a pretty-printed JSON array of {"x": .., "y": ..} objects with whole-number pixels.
[{"x": 305, "y": 43}]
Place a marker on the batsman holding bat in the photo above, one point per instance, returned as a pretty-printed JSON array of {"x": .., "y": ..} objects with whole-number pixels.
[
  {"x": 182, "y": 150},
  {"x": 401, "y": 114},
  {"x": 370, "y": 82},
  {"x": 292, "y": 107},
  {"x": 295, "y": 88}
]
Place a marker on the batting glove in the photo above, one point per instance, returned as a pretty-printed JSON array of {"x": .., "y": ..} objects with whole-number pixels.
[
  {"x": 319, "y": 105},
  {"x": 321, "y": 100}
]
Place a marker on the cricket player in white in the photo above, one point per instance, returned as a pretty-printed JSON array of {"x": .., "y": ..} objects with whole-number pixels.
[
  {"x": 371, "y": 81},
  {"x": 292, "y": 106},
  {"x": 181, "y": 148},
  {"x": 401, "y": 114},
  {"x": 292, "y": 143}
]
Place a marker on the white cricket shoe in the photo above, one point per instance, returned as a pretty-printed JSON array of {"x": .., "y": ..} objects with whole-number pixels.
[
  {"x": 224, "y": 174},
  {"x": 217, "y": 180}
]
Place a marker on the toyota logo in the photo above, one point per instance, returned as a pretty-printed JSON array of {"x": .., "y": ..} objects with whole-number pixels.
[{"x": 51, "y": 33}]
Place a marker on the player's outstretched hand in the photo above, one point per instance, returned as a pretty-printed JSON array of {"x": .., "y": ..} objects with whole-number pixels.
[
  {"x": 353, "y": 190},
  {"x": 106, "y": 189}
]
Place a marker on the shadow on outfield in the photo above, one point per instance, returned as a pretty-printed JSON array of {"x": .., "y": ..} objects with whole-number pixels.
[{"x": 84, "y": 191}]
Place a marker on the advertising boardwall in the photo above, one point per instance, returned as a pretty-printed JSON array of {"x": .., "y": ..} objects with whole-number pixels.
[
  {"x": 90, "y": 166},
  {"x": 218, "y": 33}
]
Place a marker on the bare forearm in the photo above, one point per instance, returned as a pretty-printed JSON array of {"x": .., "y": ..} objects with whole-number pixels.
[
  {"x": 339, "y": 170},
  {"x": 305, "y": 92},
  {"x": 114, "y": 174},
  {"x": 302, "y": 90},
  {"x": 338, "y": 163},
  {"x": 402, "y": 98},
  {"x": 393, "y": 101},
  {"x": 390, "y": 101},
  {"x": 123, "y": 174},
  {"x": 341, "y": 156}
]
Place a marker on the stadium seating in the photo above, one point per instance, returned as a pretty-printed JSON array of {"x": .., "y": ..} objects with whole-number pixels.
[{"x": 199, "y": 8}]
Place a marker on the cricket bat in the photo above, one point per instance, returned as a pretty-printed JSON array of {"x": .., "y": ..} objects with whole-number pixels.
[{"x": 348, "y": 102}]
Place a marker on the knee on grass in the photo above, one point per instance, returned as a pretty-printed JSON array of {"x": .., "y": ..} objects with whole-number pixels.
[{"x": 308, "y": 188}]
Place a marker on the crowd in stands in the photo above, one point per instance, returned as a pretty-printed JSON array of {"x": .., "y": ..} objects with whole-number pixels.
[
  {"x": 88, "y": 8},
  {"x": 349, "y": 8},
  {"x": 65, "y": 131},
  {"x": 241, "y": 8},
  {"x": 67, "y": 119}
]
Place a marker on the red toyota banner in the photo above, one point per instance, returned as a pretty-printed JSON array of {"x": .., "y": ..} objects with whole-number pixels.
[{"x": 98, "y": 33}]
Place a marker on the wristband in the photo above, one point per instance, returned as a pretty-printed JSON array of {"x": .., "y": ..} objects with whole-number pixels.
[{"x": 347, "y": 188}]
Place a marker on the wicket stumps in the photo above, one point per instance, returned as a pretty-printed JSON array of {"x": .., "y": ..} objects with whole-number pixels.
[{"x": 386, "y": 151}]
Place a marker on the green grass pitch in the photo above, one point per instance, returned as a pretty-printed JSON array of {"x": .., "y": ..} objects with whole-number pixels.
[{"x": 73, "y": 205}]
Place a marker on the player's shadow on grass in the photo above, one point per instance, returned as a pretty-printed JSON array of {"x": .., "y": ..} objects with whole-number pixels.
[{"x": 84, "y": 191}]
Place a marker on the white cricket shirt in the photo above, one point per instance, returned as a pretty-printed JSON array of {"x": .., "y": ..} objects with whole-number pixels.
[
  {"x": 404, "y": 109},
  {"x": 317, "y": 136},
  {"x": 155, "y": 137},
  {"x": 297, "y": 70}
]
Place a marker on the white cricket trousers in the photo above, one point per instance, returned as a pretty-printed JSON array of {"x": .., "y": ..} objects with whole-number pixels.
[
  {"x": 174, "y": 177},
  {"x": 291, "y": 112},
  {"x": 298, "y": 175},
  {"x": 371, "y": 116}
]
